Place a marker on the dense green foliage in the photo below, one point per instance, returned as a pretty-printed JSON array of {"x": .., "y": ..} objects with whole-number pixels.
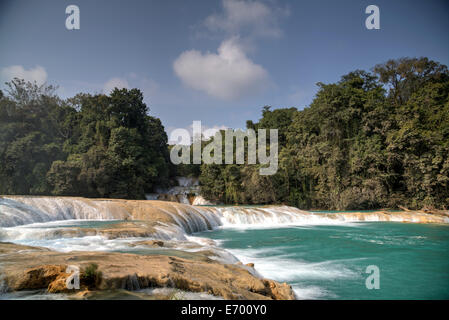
[
  {"x": 89, "y": 145},
  {"x": 372, "y": 140}
]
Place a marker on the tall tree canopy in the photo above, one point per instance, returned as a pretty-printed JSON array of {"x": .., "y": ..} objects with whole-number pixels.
[
  {"x": 372, "y": 140},
  {"x": 89, "y": 145}
]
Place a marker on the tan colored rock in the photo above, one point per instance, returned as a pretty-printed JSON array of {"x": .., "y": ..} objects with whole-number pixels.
[
  {"x": 37, "y": 277},
  {"x": 9, "y": 247},
  {"x": 279, "y": 291},
  {"x": 128, "y": 229},
  {"x": 41, "y": 269},
  {"x": 149, "y": 243},
  {"x": 135, "y": 229},
  {"x": 59, "y": 284},
  {"x": 82, "y": 294}
]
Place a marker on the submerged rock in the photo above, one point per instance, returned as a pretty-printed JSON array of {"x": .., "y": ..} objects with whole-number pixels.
[{"x": 149, "y": 243}]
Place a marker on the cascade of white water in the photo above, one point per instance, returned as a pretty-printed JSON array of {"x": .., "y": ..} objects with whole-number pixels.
[
  {"x": 284, "y": 215},
  {"x": 24, "y": 210},
  {"x": 210, "y": 215},
  {"x": 16, "y": 210},
  {"x": 267, "y": 216}
]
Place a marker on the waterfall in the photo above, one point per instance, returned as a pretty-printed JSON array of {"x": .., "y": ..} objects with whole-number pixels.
[
  {"x": 17, "y": 210},
  {"x": 21, "y": 210},
  {"x": 285, "y": 215}
]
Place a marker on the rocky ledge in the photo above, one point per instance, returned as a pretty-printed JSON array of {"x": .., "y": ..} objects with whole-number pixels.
[{"x": 33, "y": 268}]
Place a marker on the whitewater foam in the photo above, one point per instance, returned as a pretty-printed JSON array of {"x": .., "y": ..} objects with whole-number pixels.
[
  {"x": 16, "y": 210},
  {"x": 274, "y": 264}
]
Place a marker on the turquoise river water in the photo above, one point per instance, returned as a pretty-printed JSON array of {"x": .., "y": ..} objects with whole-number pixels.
[{"x": 330, "y": 261}]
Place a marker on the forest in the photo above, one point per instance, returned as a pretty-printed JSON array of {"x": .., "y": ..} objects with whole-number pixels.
[
  {"x": 374, "y": 139},
  {"x": 89, "y": 145}
]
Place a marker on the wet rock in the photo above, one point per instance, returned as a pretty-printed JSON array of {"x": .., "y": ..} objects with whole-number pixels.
[
  {"x": 149, "y": 243},
  {"x": 36, "y": 277},
  {"x": 59, "y": 285},
  {"x": 31, "y": 270}
]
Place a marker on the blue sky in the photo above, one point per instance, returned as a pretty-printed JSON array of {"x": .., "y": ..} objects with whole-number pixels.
[{"x": 215, "y": 61}]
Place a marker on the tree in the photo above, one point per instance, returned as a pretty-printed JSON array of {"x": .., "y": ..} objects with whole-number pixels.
[
  {"x": 404, "y": 76},
  {"x": 117, "y": 150},
  {"x": 31, "y": 136},
  {"x": 88, "y": 145},
  {"x": 371, "y": 140}
]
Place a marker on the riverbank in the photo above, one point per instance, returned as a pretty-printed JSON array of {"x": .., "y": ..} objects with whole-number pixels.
[{"x": 34, "y": 268}]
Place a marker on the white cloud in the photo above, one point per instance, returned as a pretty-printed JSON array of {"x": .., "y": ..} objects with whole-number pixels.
[
  {"x": 36, "y": 74},
  {"x": 254, "y": 18},
  {"x": 228, "y": 74},
  {"x": 116, "y": 82}
]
